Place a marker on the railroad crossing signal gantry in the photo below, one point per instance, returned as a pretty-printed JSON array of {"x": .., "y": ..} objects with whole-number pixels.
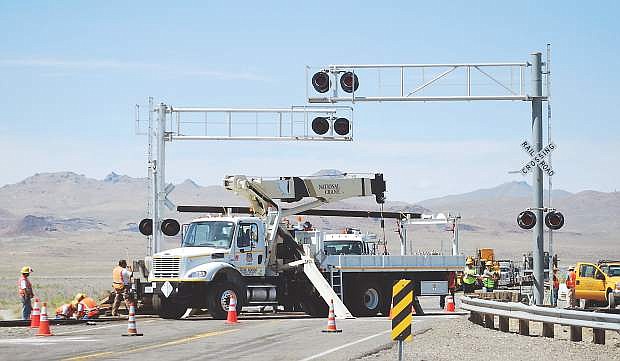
[{"x": 419, "y": 82}]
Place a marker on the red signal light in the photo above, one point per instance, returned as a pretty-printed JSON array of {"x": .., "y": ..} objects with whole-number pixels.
[
  {"x": 321, "y": 82},
  {"x": 320, "y": 125},
  {"x": 341, "y": 126},
  {"x": 349, "y": 82}
]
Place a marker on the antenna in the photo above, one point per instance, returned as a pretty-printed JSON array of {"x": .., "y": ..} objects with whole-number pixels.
[{"x": 549, "y": 178}]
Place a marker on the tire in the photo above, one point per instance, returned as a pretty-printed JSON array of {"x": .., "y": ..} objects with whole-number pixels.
[
  {"x": 167, "y": 309},
  {"x": 367, "y": 299},
  {"x": 218, "y": 299}
]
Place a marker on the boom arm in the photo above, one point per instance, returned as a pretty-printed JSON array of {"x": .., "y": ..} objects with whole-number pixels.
[{"x": 262, "y": 193}]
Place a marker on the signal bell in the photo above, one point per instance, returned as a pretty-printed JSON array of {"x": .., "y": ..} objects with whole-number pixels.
[
  {"x": 554, "y": 220},
  {"x": 526, "y": 220}
]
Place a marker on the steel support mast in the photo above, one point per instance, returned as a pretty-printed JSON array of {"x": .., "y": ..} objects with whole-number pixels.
[{"x": 537, "y": 182}]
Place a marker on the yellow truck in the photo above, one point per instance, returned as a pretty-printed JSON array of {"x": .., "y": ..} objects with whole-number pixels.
[{"x": 598, "y": 282}]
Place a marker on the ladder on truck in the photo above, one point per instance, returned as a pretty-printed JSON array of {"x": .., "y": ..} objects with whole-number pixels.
[{"x": 337, "y": 283}]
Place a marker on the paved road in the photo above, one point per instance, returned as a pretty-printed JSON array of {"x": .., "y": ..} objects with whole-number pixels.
[{"x": 256, "y": 337}]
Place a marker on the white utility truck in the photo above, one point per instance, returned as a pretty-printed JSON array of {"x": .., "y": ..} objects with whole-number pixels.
[{"x": 260, "y": 261}]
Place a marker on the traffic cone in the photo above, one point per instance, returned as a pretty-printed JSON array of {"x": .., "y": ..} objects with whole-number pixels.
[
  {"x": 35, "y": 317},
  {"x": 391, "y": 315},
  {"x": 449, "y": 303},
  {"x": 44, "y": 323},
  {"x": 231, "y": 318},
  {"x": 331, "y": 319},
  {"x": 131, "y": 324}
]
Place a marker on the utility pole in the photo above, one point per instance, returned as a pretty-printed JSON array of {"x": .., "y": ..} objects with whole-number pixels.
[{"x": 537, "y": 140}]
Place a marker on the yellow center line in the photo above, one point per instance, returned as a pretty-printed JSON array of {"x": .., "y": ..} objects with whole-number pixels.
[{"x": 152, "y": 346}]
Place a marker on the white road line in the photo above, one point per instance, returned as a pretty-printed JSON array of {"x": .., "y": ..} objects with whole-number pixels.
[
  {"x": 319, "y": 355},
  {"x": 97, "y": 328},
  {"x": 47, "y": 340}
]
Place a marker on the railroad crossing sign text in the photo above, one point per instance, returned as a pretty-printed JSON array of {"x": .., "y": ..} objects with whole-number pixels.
[{"x": 538, "y": 159}]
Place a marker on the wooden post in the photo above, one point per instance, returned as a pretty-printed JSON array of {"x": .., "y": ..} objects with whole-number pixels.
[
  {"x": 548, "y": 329},
  {"x": 575, "y": 333},
  {"x": 489, "y": 320},
  {"x": 476, "y": 318},
  {"x": 524, "y": 327},
  {"x": 504, "y": 324},
  {"x": 598, "y": 336}
]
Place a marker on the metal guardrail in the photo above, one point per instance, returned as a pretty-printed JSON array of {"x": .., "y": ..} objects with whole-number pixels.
[{"x": 483, "y": 312}]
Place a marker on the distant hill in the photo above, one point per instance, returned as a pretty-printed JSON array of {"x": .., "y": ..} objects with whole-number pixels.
[{"x": 48, "y": 204}]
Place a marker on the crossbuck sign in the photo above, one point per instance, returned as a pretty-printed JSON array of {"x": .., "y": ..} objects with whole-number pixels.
[{"x": 537, "y": 159}]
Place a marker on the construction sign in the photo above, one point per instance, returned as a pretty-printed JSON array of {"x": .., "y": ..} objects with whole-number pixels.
[{"x": 402, "y": 299}]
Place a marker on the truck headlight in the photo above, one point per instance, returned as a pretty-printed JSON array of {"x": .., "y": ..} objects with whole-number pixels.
[{"x": 198, "y": 274}]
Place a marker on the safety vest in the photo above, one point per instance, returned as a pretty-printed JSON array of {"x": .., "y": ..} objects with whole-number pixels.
[
  {"x": 488, "y": 282},
  {"x": 65, "y": 310},
  {"x": 117, "y": 278},
  {"x": 470, "y": 276},
  {"x": 24, "y": 286},
  {"x": 88, "y": 308},
  {"x": 570, "y": 280}
]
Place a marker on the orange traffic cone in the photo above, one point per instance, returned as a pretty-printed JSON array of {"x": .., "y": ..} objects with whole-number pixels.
[
  {"x": 449, "y": 303},
  {"x": 391, "y": 315},
  {"x": 131, "y": 324},
  {"x": 231, "y": 318},
  {"x": 331, "y": 319},
  {"x": 44, "y": 323},
  {"x": 35, "y": 317}
]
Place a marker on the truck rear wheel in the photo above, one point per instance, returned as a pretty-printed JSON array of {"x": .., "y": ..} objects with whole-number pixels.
[
  {"x": 219, "y": 299},
  {"x": 367, "y": 299},
  {"x": 166, "y": 308}
]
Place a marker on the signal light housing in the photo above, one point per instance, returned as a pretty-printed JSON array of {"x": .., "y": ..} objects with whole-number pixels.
[
  {"x": 342, "y": 126},
  {"x": 349, "y": 82},
  {"x": 146, "y": 227},
  {"x": 321, "y": 82},
  {"x": 526, "y": 220},
  {"x": 170, "y": 227},
  {"x": 320, "y": 125},
  {"x": 554, "y": 220}
]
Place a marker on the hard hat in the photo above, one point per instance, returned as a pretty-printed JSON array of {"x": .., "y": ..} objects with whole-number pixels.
[
  {"x": 26, "y": 269},
  {"x": 79, "y": 297},
  {"x": 489, "y": 263},
  {"x": 571, "y": 268},
  {"x": 469, "y": 261}
]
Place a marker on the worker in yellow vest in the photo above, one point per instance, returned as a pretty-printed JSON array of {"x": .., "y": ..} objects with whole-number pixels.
[
  {"x": 469, "y": 277},
  {"x": 488, "y": 277},
  {"x": 121, "y": 283}
]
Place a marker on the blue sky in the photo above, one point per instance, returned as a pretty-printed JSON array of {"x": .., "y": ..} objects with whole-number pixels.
[{"x": 71, "y": 73}]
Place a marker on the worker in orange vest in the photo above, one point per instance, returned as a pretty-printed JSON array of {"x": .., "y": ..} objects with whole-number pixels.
[
  {"x": 66, "y": 311},
  {"x": 121, "y": 284},
  {"x": 25, "y": 292},
  {"x": 571, "y": 284},
  {"x": 87, "y": 307}
]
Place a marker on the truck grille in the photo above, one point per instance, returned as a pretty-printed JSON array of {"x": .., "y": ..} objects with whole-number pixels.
[{"x": 166, "y": 267}]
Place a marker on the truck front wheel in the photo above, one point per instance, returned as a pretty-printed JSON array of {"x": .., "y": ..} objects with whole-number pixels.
[
  {"x": 166, "y": 308},
  {"x": 219, "y": 299}
]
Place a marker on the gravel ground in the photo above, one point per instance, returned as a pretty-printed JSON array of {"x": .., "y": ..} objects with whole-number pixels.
[{"x": 459, "y": 339}]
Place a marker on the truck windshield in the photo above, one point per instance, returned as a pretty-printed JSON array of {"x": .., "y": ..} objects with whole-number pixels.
[
  {"x": 343, "y": 247},
  {"x": 215, "y": 234}
]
